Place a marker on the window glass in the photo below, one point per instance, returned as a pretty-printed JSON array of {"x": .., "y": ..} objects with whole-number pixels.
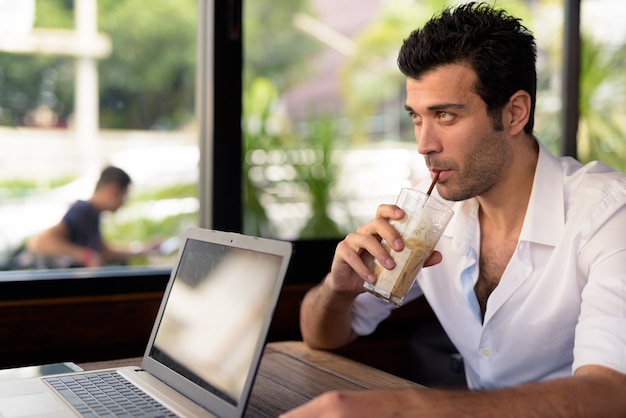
[
  {"x": 602, "y": 124},
  {"x": 105, "y": 83},
  {"x": 326, "y": 136}
]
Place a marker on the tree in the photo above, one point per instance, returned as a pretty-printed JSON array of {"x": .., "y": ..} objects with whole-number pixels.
[
  {"x": 148, "y": 82},
  {"x": 601, "y": 128},
  {"x": 28, "y": 82},
  {"x": 273, "y": 47}
]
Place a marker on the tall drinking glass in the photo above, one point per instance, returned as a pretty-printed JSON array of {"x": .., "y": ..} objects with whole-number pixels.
[{"x": 421, "y": 227}]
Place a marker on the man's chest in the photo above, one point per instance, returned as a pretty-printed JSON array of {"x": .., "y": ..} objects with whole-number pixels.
[
  {"x": 494, "y": 256},
  {"x": 529, "y": 319}
]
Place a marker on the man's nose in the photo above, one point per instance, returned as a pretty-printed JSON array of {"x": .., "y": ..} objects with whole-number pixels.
[{"x": 427, "y": 138}]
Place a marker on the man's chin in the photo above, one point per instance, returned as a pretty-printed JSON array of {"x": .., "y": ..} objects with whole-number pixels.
[{"x": 451, "y": 195}]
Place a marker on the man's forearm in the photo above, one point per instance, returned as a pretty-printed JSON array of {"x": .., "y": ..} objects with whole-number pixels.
[
  {"x": 579, "y": 396},
  {"x": 595, "y": 395},
  {"x": 326, "y": 316},
  {"x": 52, "y": 246}
]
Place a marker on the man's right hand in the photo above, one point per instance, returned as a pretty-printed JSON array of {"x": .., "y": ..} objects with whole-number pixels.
[
  {"x": 326, "y": 311},
  {"x": 354, "y": 256}
]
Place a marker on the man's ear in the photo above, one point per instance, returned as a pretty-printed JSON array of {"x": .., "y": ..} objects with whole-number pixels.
[{"x": 516, "y": 112}]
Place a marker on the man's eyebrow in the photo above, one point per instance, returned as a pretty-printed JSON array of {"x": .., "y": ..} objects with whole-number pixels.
[{"x": 441, "y": 106}]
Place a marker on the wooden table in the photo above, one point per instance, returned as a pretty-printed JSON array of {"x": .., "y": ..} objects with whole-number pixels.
[{"x": 291, "y": 374}]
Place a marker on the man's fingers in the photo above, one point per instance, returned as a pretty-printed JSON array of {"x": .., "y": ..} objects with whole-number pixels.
[{"x": 435, "y": 258}]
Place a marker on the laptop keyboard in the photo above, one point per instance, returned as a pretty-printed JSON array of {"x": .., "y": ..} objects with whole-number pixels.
[{"x": 106, "y": 394}]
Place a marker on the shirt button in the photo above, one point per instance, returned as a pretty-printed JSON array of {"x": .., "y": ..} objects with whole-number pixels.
[{"x": 484, "y": 352}]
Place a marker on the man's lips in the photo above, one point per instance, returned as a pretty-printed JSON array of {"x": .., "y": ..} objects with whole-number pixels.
[{"x": 443, "y": 174}]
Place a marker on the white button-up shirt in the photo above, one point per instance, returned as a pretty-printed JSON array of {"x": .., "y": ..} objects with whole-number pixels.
[{"x": 561, "y": 302}]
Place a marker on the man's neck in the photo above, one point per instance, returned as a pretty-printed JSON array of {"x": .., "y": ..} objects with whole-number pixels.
[
  {"x": 96, "y": 203},
  {"x": 503, "y": 207}
]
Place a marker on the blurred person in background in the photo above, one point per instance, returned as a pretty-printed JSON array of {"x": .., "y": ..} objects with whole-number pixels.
[{"x": 76, "y": 241}]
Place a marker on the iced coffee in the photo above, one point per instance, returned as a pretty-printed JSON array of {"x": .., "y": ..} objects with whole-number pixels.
[{"x": 425, "y": 220}]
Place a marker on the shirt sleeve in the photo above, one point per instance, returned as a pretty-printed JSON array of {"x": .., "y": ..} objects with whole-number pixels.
[
  {"x": 368, "y": 311},
  {"x": 73, "y": 218},
  {"x": 601, "y": 330},
  {"x": 82, "y": 222}
]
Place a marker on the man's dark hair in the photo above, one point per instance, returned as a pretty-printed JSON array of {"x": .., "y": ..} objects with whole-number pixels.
[
  {"x": 113, "y": 175},
  {"x": 501, "y": 51}
]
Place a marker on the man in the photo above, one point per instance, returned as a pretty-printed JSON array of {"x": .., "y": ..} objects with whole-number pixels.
[
  {"x": 529, "y": 279},
  {"x": 77, "y": 237}
]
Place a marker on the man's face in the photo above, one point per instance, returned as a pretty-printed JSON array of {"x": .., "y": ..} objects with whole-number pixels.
[
  {"x": 118, "y": 197},
  {"x": 454, "y": 132}
]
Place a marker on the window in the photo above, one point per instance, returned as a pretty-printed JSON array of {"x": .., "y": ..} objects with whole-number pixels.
[
  {"x": 282, "y": 119},
  {"x": 96, "y": 84},
  {"x": 602, "y": 118},
  {"x": 326, "y": 138}
]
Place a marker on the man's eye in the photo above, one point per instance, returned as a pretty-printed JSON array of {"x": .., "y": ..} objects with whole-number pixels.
[
  {"x": 444, "y": 115},
  {"x": 414, "y": 116}
]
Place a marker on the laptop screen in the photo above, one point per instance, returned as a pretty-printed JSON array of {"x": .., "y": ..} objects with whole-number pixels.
[{"x": 214, "y": 314}]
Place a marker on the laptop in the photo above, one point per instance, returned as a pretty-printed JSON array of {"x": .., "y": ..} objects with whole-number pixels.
[{"x": 206, "y": 343}]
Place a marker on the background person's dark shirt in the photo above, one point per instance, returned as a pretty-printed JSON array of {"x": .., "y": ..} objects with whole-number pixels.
[{"x": 83, "y": 223}]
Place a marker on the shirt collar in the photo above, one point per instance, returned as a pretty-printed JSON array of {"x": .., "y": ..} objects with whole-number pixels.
[
  {"x": 463, "y": 225},
  {"x": 545, "y": 215}
]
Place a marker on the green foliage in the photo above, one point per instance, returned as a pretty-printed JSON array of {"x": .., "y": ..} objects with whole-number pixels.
[
  {"x": 175, "y": 191},
  {"x": 57, "y": 14},
  {"x": 259, "y": 97},
  {"x": 148, "y": 82},
  {"x": 27, "y": 82},
  {"x": 273, "y": 47},
  {"x": 320, "y": 176},
  {"x": 144, "y": 230},
  {"x": 370, "y": 76},
  {"x": 601, "y": 128},
  {"x": 302, "y": 164},
  {"x": 122, "y": 230},
  {"x": 25, "y": 187}
]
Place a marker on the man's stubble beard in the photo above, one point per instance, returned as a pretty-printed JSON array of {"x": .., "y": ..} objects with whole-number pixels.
[{"x": 482, "y": 168}]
